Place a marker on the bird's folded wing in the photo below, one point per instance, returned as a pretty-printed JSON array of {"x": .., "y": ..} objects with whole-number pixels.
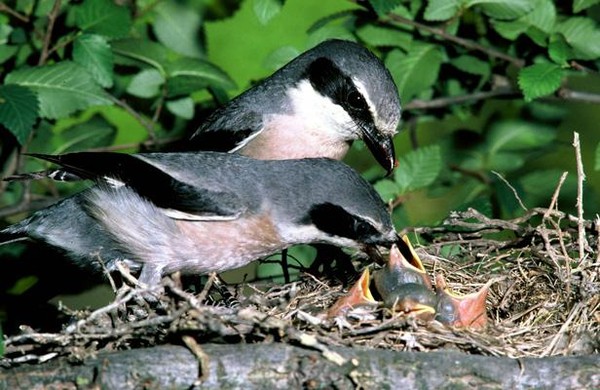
[
  {"x": 225, "y": 132},
  {"x": 180, "y": 200}
]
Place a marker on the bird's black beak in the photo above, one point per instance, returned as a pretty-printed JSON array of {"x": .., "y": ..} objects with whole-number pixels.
[{"x": 381, "y": 146}]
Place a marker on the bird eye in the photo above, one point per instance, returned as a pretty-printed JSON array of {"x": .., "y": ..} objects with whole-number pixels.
[{"x": 356, "y": 101}]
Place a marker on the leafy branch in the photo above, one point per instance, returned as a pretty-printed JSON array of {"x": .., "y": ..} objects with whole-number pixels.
[{"x": 466, "y": 43}]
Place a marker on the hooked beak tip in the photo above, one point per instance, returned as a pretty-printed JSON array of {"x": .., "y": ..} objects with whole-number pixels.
[{"x": 382, "y": 147}]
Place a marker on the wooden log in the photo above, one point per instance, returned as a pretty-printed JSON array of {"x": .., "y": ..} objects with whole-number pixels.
[{"x": 283, "y": 366}]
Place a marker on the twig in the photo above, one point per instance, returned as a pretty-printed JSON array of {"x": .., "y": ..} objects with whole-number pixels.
[
  {"x": 577, "y": 66},
  {"x": 448, "y": 101},
  {"x": 563, "y": 93},
  {"x": 563, "y": 328},
  {"x": 12, "y": 12},
  {"x": 201, "y": 356},
  {"x": 61, "y": 44},
  {"x": 146, "y": 124},
  {"x": 554, "y": 200},
  {"x": 598, "y": 238},
  {"x": 514, "y": 191},
  {"x": 159, "y": 106},
  {"x": 131, "y": 294},
  {"x": 478, "y": 175},
  {"x": 585, "y": 97},
  {"x": 209, "y": 283},
  {"x": 459, "y": 41},
  {"x": 48, "y": 36},
  {"x": 580, "y": 180}
]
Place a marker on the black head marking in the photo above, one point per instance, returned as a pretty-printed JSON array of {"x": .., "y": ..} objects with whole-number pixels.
[
  {"x": 327, "y": 78},
  {"x": 334, "y": 220}
]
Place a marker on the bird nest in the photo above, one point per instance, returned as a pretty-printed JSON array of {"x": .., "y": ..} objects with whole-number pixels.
[{"x": 544, "y": 301}]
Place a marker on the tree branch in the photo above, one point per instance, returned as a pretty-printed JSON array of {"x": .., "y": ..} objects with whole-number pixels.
[
  {"x": 48, "y": 36},
  {"x": 585, "y": 97},
  {"x": 448, "y": 101},
  {"x": 277, "y": 365},
  {"x": 12, "y": 12},
  {"x": 562, "y": 94},
  {"x": 459, "y": 41},
  {"x": 148, "y": 125}
]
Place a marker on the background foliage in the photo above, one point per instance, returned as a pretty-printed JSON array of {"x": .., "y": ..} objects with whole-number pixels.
[{"x": 491, "y": 89}]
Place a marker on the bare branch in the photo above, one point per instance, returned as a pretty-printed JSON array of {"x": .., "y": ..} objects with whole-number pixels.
[
  {"x": 579, "y": 96},
  {"x": 519, "y": 63},
  {"x": 12, "y": 12},
  {"x": 148, "y": 125},
  {"x": 580, "y": 180},
  {"x": 48, "y": 36},
  {"x": 513, "y": 189}
]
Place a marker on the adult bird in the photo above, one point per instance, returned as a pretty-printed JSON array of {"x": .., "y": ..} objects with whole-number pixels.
[
  {"x": 315, "y": 106},
  {"x": 203, "y": 211}
]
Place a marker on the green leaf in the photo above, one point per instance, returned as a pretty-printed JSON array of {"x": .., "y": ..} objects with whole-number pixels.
[
  {"x": 543, "y": 15},
  {"x": 143, "y": 51},
  {"x": 540, "y": 80},
  {"x": 583, "y": 35},
  {"x": 537, "y": 23},
  {"x": 146, "y": 84},
  {"x": 22, "y": 285},
  {"x": 387, "y": 189},
  {"x": 5, "y": 31},
  {"x": 94, "y": 133},
  {"x": 329, "y": 32},
  {"x": 103, "y": 17},
  {"x": 472, "y": 65},
  {"x": 597, "y": 164},
  {"x": 518, "y": 136},
  {"x": 18, "y": 110},
  {"x": 504, "y": 162},
  {"x": 177, "y": 27},
  {"x": 265, "y": 10},
  {"x": 382, "y": 7},
  {"x": 510, "y": 30},
  {"x": 416, "y": 70},
  {"x": 502, "y": 9},
  {"x": 183, "y": 108},
  {"x": 279, "y": 57},
  {"x": 382, "y": 36},
  {"x": 540, "y": 184},
  {"x": 451, "y": 250},
  {"x": 440, "y": 10},
  {"x": 418, "y": 169},
  {"x": 231, "y": 44},
  {"x": 580, "y": 5},
  {"x": 558, "y": 50},
  {"x": 62, "y": 88},
  {"x": 7, "y": 52},
  {"x": 188, "y": 75},
  {"x": 94, "y": 54}
]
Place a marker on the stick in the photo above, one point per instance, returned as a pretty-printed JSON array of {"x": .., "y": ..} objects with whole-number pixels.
[{"x": 580, "y": 179}]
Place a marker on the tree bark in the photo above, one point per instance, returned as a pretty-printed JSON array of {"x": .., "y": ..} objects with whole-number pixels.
[{"x": 282, "y": 366}]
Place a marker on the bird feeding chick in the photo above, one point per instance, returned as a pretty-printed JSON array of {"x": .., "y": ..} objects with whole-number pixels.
[
  {"x": 203, "y": 212},
  {"x": 405, "y": 288}
]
